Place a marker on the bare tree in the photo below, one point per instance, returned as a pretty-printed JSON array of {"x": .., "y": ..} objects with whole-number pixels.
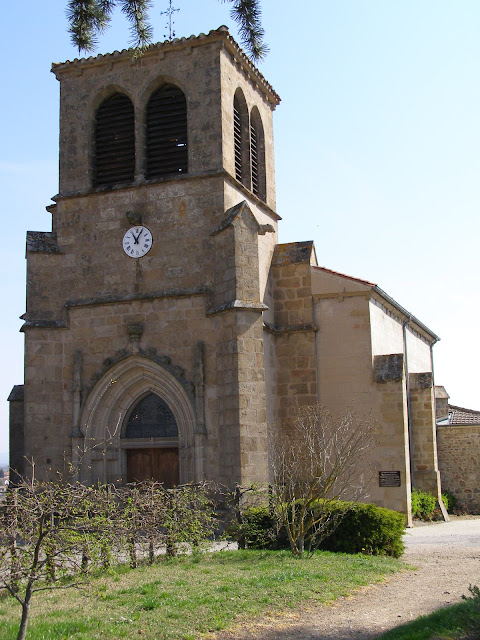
[
  {"x": 53, "y": 534},
  {"x": 318, "y": 460},
  {"x": 48, "y": 529}
]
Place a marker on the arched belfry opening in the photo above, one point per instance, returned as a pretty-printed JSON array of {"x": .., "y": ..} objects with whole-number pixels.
[
  {"x": 241, "y": 138},
  {"x": 167, "y": 143},
  {"x": 150, "y": 435},
  {"x": 138, "y": 422},
  {"x": 257, "y": 149},
  {"x": 114, "y": 159}
]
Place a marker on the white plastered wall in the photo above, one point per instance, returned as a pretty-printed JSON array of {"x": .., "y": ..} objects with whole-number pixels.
[
  {"x": 418, "y": 353},
  {"x": 387, "y": 331}
]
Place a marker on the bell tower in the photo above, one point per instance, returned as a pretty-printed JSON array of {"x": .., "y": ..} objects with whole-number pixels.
[{"x": 144, "y": 341}]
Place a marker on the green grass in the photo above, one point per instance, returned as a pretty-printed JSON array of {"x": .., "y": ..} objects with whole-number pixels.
[
  {"x": 181, "y": 598},
  {"x": 450, "y": 623}
]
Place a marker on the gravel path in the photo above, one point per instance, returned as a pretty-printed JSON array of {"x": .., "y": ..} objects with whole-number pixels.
[{"x": 447, "y": 560}]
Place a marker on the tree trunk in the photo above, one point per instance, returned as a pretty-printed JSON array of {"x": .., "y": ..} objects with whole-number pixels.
[
  {"x": 151, "y": 550},
  {"x": 133, "y": 553},
  {"x": 85, "y": 559},
  {"x": 106, "y": 555},
  {"x": 22, "y": 631},
  {"x": 301, "y": 545}
]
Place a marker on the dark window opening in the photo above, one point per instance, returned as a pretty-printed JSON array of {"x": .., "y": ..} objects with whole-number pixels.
[
  {"x": 114, "y": 141},
  {"x": 151, "y": 418},
  {"x": 167, "y": 148}
]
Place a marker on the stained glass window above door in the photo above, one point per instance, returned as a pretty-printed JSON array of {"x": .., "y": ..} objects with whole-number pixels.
[{"x": 151, "y": 418}]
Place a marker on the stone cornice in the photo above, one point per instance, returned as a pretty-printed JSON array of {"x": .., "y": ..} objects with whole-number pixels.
[
  {"x": 130, "y": 297},
  {"x": 292, "y": 328},
  {"x": 218, "y": 173},
  {"x": 238, "y": 304},
  {"x": 130, "y": 56},
  {"x": 102, "y": 300},
  {"x": 43, "y": 324},
  {"x": 341, "y": 295}
]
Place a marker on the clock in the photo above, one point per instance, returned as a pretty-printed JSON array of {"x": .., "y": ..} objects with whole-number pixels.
[{"x": 137, "y": 241}]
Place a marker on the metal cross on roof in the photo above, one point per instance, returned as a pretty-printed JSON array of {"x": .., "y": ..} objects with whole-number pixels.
[{"x": 169, "y": 12}]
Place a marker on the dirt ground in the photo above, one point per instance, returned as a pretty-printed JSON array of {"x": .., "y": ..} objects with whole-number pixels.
[{"x": 447, "y": 560}]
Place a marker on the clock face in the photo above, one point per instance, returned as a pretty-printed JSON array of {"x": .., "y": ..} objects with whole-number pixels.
[{"x": 137, "y": 241}]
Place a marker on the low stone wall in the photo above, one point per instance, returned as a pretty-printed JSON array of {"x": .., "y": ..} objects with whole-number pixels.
[{"x": 459, "y": 463}]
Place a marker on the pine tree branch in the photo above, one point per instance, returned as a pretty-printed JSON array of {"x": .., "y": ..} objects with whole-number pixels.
[
  {"x": 88, "y": 18},
  {"x": 136, "y": 12},
  {"x": 247, "y": 14}
]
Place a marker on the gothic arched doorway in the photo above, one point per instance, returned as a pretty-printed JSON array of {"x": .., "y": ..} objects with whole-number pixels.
[
  {"x": 150, "y": 439},
  {"x": 101, "y": 444}
]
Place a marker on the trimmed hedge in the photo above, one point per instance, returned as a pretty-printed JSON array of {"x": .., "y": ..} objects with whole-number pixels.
[
  {"x": 366, "y": 528},
  {"x": 363, "y": 528}
]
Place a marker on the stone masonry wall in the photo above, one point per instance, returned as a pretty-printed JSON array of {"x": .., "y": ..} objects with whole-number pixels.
[
  {"x": 424, "y": 441},
  {"x": 391, "y": 452},
  {"x": 16, "y": 440},
  {"x": 459, "y": 463},
  {"x": 294, "y": 336}
]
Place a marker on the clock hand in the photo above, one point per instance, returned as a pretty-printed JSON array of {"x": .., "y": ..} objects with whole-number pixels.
[{"x": 137, "y": 238}]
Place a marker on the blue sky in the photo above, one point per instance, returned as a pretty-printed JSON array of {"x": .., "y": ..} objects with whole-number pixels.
[{"x": 377, "y": 145}]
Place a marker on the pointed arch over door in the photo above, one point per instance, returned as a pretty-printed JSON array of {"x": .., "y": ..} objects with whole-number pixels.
[{"x": 107, "y": 418}]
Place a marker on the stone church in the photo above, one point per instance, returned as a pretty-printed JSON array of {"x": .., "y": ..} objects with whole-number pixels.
[{"x": 165, "y": 326}]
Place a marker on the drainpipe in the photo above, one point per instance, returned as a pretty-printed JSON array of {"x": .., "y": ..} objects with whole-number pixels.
[
  {"x": 433, "y": 380},
  {"x": 409, "y": 409}
]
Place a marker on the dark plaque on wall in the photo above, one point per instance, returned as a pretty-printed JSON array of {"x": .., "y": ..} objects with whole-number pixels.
[{"x": 389, "y": 479}]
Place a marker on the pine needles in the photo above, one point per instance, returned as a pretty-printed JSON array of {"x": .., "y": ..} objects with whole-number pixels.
[{"x": 90, "y": 18}]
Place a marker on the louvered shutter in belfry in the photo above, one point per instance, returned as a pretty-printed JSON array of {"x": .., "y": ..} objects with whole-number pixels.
[
  {"x": 115, "y": 141},
  {"x": 254, "y": 157},
  {"x": 167, "y": 151},
  {"x": 237, "y": 141}
]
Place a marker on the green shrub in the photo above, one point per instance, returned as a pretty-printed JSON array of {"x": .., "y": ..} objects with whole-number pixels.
[
  {"x": 449, "y": 500},
  {"x": 366, "y": 528},
  {"x": 423, "y": 504},
  {"x": 358, "y": 528},
  {"x": 257, "y": 530}
]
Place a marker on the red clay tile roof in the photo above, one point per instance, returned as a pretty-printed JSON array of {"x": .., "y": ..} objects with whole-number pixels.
[{"x": 459, "y": 415}]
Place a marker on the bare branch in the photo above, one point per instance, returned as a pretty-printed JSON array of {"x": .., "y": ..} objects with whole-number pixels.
[{"x": 317, "y": 461}]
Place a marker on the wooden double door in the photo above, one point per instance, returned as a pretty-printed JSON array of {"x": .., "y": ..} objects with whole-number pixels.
[{"x": 160, "y": 464}]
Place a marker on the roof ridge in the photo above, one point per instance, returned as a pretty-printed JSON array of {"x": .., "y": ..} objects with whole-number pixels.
[{"x": 345, "y": 275}]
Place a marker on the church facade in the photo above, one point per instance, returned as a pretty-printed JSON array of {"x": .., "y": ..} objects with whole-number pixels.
[{"x": 165, "y": 326}]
